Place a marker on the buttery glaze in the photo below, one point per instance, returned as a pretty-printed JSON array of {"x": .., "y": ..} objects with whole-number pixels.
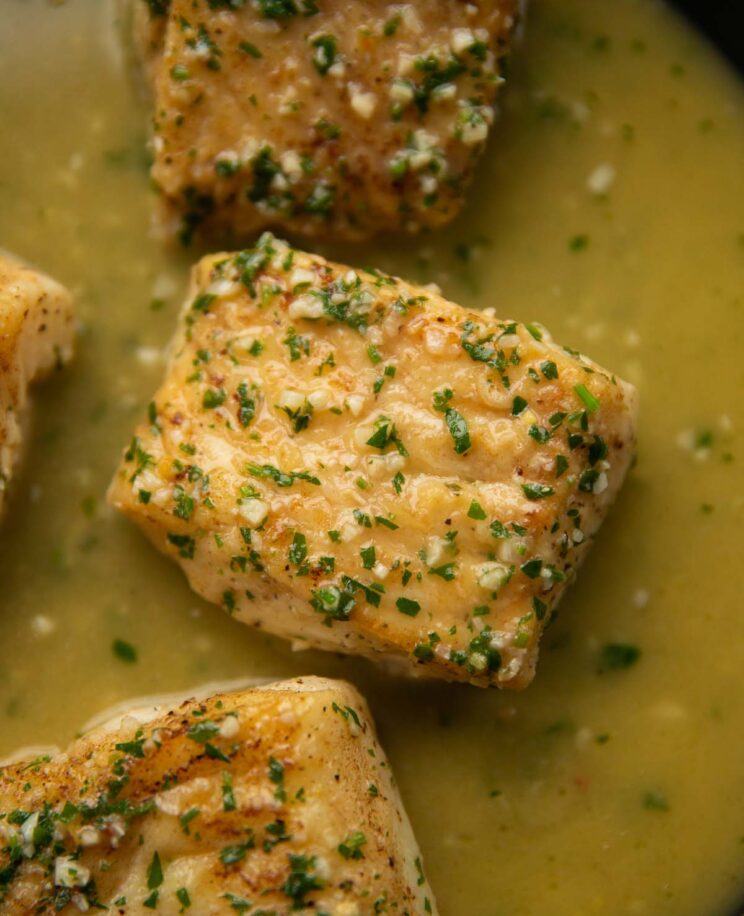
[
  {"x": 36, "y": 328},
  {"x": 274, "y": 799},
  {"x": 323, "y": 118},
  {"x": 355, "y": 463},
  {"x": 608, "y": 209}
]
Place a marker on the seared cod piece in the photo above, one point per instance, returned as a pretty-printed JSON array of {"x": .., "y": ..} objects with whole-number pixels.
[
  {"x": 275, "y": 800},
  {"x": 352, "y": 462},
  {"x": 319, "y": 116},
  {"x": 36, "y": 330}
]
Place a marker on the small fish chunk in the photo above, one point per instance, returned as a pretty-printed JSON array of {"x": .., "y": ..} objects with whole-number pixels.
[
  {"x": 276, "y": 800},
  {"x": 353, "y": 462},
  {"x": 318, "y": 116},
  {"x": 36, "y": 330}
]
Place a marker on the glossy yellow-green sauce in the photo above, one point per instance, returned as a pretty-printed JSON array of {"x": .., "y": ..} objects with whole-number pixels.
[{"x": 614, "y": 793}]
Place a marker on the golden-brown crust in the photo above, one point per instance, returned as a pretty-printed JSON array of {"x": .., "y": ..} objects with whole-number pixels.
[
  {"x": 280, "y": 796},
  {"x": 36, "y": 329},
  {"x": 337, "y": 118},
  {"x": 306, "y": 471}
]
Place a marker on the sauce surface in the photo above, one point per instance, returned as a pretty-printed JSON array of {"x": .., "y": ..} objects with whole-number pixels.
[{"x": 609, "y": 208}]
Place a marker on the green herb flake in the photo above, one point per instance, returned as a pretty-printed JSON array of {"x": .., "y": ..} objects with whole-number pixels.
[
  {"x": 301, "y": 879},
  {"x": 297, "y": 345},
  {"x": 535, "y": 491},
  {"x": 391, "y": 26},
  {"x": 179, "y": 73},
  {"x": 239, "y": 904},
  {"x": 228, "y": 795},
  {"x": 250, "y": 49},
  {"x": 590, "y": 401},
  {"x": 154, "y": 872},
  {"x": 654, "y": 800},
  {"x": 456, "y": 423},
  {"x": 183, "y": 503},
  {"x": 385, "y": 433},
  {"x": 229, "y": 855},
  {"x": 281, "y": 478},
  {"x": 298, "y": 549},
  {"x": 532, "y": 568},
  {"x": 408, "y": 606},
  {"x": 539, "y": 433},
  {"x": 324, "y": 53},
  {"x": 499, "y": 530},
  {"x": 617, "y": 656},
  {"x": 351, "y": 848},
  {"x": 213, "y": 398},
  {"x": 549, "y": 369},
  {"x": 446, "y": 571},
  {"x": 458, "y": 429},
  {"x": 201, "y": 732},
  {"x": 187, "y": 817},
  {"x": 276, "y": 776},
  {"x": 124, "y": 651},
  {"x": 476, "y": 511}
]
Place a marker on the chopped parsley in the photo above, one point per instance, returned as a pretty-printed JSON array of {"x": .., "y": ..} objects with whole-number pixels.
[
  {"x": 297, "y": 345},
  {"x": 247, "y": 48},
  {"x": 228, "y": 795},
  {"x": 549, "y": 369},
  {"x": 184, "y": 504},
  {"x": 386, "y": 434},
  {"x": 591, "y": 403},
  {"x": 281, "y": 478},
  {"x": 246, "y": 405},
  {"x": 351, "y": 848},
  {"x": 154, "y": 872},
  {"x": 654, "y": 800},
  {"x": 476, "y": 511},
  {"x": 239, "y": 904},
  {"x": 201, "y": 732},
  {"x": 214, "y": 397},
  {"x": 362, "y": 518},
  {"x": 229, "y": 855},
  {"x": 535, "y": 491},
  {"x": 285, "y": 9},
  {"x": 301, "y": 879},
  {"x": 298, "y": 549},
  {"x": 617, "y": 656},
  {"x": 456, "y": 423},
  {"x": 186, "y": 545},
  {"x": 408, "y": 606},
  {"x": 124, "y": 651},
  {"x": 276, "y": 776},
  {"x": 324, "y": 53},
  {"x": 446, "y": 571}
]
